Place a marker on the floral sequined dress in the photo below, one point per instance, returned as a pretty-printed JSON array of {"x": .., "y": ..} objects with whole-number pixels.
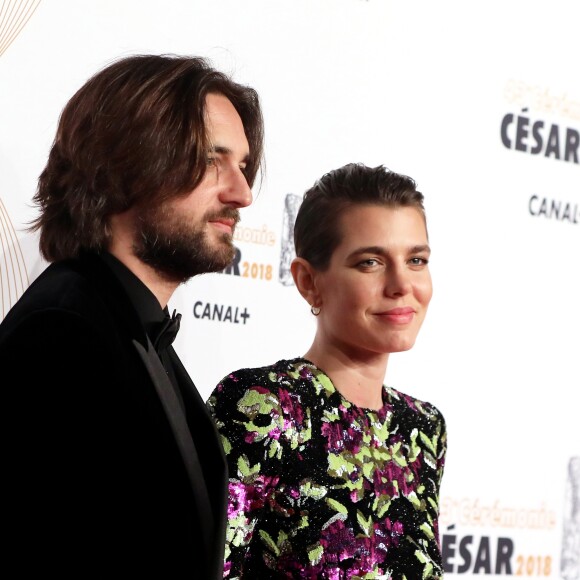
[{"x": 320, "y": 488}]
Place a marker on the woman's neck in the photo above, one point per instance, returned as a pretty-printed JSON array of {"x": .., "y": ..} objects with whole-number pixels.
[{"x": 359, "y": 379}]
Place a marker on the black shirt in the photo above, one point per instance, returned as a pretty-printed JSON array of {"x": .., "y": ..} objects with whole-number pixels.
[{"x": 151, "y": 314}]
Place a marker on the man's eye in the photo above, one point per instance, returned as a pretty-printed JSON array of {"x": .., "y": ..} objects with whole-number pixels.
[
  {"x": 419, "y": 261},
  {"x": 370, "y": 263}
]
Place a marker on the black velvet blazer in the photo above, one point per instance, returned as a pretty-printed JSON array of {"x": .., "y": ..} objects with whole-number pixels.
[{"x": 103, "y": 473}]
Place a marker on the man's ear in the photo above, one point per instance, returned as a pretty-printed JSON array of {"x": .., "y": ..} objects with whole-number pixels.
[{"x": 305, "y": 279}]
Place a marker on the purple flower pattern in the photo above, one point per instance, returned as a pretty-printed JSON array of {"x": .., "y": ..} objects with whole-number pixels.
[{"x": 320, "y": 488}]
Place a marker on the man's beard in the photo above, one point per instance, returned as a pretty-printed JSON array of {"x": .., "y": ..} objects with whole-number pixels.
[{"x": 178, "y": 248}]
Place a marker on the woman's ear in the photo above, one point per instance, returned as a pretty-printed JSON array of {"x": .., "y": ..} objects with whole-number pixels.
[{"x": 304, "y": 277}]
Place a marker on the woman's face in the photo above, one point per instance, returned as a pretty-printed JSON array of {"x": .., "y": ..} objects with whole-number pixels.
[{"x": 375, "y": 293}]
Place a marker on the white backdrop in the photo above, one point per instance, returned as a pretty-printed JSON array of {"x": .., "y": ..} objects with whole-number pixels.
[{"x": 424, "y": 88}]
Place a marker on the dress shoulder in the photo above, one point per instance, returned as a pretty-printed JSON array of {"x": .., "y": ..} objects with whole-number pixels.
[
  {"x": 268, "y": 378},
  {"x": 414, "y": 405}
]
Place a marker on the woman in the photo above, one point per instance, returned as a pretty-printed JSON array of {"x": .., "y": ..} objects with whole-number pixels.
[{"x": 332, "y": 474}]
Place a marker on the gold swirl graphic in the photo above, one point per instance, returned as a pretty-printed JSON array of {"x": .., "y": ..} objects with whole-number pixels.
[
  {"x": 14, "y": 14},
  {"x": 13, "y": 274}
]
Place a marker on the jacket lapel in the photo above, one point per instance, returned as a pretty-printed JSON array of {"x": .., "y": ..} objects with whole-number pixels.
[
  {"x": 114, "y": 295},
  {"x": 211, "y": 454},
  {"x": 181, "y": 433}
]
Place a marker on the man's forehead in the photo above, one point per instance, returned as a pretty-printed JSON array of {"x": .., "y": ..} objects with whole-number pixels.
[{"x": 225, "y": 126}]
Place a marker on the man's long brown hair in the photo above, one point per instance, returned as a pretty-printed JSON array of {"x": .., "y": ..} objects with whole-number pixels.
[{"x": 134, "y": 133}]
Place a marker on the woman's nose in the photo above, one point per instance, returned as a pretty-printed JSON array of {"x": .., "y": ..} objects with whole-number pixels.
[{"x": 398, "y": 282}]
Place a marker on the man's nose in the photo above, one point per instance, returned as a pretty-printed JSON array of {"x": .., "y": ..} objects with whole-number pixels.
[{"x": 235, "y": 190}]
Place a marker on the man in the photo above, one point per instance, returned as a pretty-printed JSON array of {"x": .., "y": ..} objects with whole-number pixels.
[{"x": 114, "y": 468}]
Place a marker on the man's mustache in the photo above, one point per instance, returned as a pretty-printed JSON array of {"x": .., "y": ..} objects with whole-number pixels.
[{"x": 226, "y": 213}]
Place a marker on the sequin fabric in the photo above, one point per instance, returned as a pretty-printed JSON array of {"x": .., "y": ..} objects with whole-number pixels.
[{"x": 320, "y": 488}]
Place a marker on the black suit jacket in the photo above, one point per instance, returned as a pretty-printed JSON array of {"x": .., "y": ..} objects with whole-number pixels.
[{"x": 104, "y": 473}]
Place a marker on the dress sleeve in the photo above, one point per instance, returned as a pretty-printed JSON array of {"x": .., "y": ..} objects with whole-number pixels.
[
  {"x": 440, "y": 465},
  {"x": 442, "y": 449},
  {"x": 245, "y": 409}
]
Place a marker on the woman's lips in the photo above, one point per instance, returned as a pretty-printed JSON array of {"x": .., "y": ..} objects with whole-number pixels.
[{"x": 402, "y": 315}]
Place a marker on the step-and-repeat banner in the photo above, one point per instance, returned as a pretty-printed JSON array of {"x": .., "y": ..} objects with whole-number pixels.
[{"x": 479, "y": 102}]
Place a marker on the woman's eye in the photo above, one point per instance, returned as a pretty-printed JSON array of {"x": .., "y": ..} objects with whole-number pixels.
[{"x": 210, "y": 160}]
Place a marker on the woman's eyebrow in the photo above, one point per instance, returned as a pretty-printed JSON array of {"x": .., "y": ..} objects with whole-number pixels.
[{"x": 419, "y": 248}]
